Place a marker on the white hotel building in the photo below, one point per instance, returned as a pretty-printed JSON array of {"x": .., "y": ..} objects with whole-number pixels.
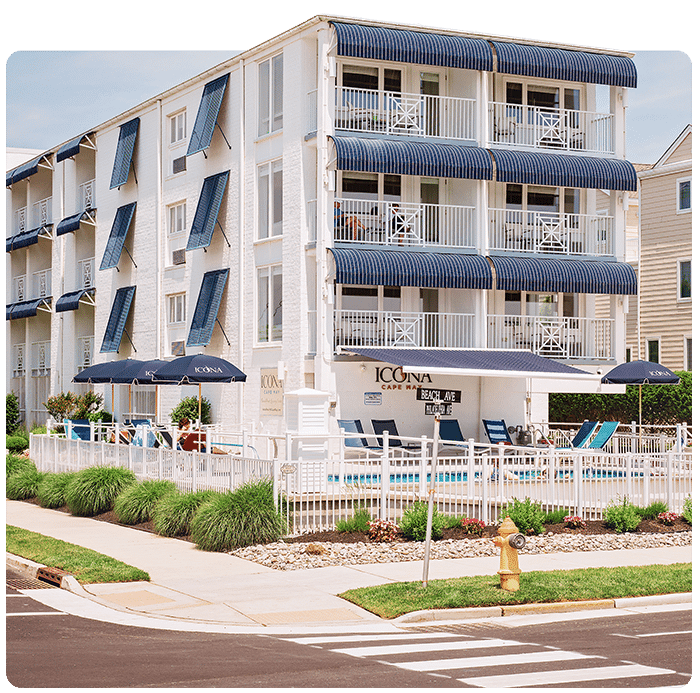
[{"x": 344, "y": 211}]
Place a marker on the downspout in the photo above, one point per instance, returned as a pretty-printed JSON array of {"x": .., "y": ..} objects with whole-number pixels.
[
  {"x": 159, "y": 242},
  {"x": 241, "y": 232}
]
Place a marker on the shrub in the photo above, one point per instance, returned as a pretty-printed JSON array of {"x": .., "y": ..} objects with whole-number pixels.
[
  {"x": 68, "y": 405},
  {"x": 16, "y": 444},
  {"x": 24, "y": 484},
  {"x": 14, "y": 463},
  {"x": 135, "y": 503},
  {"x": 357, "y": 523},
  {"x": 622, "y": 517},
  {"x": 473, "y": 526},
  {"x": 383, "y": 530},
  {"x": 554, "y": 517},
  {"x": 688, "y": 510},
  {"x": 240, "y": 518},
  {"x": 188, "y": 408},
  {"x": 52, "y": 489},
  {"x": 527, "y": 515},
  {"x": 93, "y": 490},
  {"x": 574, "y": 522},
  {"x": 651, "y": 512},
  {"x": 173, "y": 513},
  {"x": 414, "y": 522},
  {"x": 667, "y": 518},
  {"x": 11, "y": 413}
]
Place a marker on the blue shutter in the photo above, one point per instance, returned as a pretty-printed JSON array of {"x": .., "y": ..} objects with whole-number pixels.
[
  {"x": 208, "y": 112},
  {"x": 117, "y": 319},
  {"x": 125, "y": 153},
  {"x": 117, "y": 236},
  {"x": 207, "y": 308},
  {"x": 207, "y": 211}
]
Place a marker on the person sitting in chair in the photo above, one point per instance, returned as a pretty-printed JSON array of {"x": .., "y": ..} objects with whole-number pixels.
[{"x": 343, "y": 221}]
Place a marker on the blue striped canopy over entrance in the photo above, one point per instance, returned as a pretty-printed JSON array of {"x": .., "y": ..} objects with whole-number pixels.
[
  {"x": 568, "y": 276},
  {"x": 538, "y": 168},
  {"x": 400, "y": 268},
  {"x": 412, "y": 158},
  {"x": 404, "y": 46}
]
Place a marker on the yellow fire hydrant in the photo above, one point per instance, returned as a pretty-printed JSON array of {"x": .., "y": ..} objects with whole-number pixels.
[{"x": 509, "y": 541}]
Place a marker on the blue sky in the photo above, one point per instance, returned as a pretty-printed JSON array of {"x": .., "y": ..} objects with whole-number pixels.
[{"x": 53, "y": 96}]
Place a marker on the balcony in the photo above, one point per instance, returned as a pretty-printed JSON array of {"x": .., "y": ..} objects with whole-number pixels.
[
  {"x": 417, "y": 115},
  {"x": 19, "y": 288},
  {"x": 553, "y": 337},
  {"x": 391, "y": 329},
  {"x": 86, "y": 273},
  {"x": 86, "y": 195},
  {"x": 582, "y": 132},
  {"x": 42, "y": 213},
  {"x": 403, "y": 224},
  {"x": 41, "y": 284},
  {"x": 551, "y": 232}
]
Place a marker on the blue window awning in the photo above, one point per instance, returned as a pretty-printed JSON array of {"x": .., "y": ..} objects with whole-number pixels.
[
  {"x": 568, "y": 276},
  {"x": 538, "y": 168},
  {"x": 473, "y": 362},
  {"x": 117, "y": 236},
  {"x": 207, "y": 308},
  {"x": 22, "y": 239},
  {"x": 28, "y": 169},
  {"x": 208, "y": 112},
  {"x": 27, "y": 309},
  {"x": 571, "y": 65},
  {"x": 117, "y": 319},
  {"x": 73, "y": 147},
  {"x": 423, "y": 48},
  {"x": 125, "y": 153},
  {"x": 409, "y": 268},
  {"x": 72, "y": 223},
  {"x": 73, "y": 299},
  {"x": 412, "y": 158},
  {"x": 207, "y": 211}
]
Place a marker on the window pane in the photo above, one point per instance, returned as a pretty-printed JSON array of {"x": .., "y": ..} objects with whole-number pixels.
[
  {"x": 684, "y": 195},
  {"x": 277, "y": 305},
  {"x": 392, "y": 187},
  {"x": 356, "y": 77},
  {"x": 684, "y": 271},
  {"x": 263, "y": 305},
  {"x": 653, "y": 351},
  {"x": 263, "y": 201},
  {"x": 363, "y": 186},
  {"x": 392, "y": 298},
  {"x": 277, "y": 92},
  {"x": 264, "y": 98},
  {"x": 277, "y": 202},
  {"x": 360, "y": 298},
  {"x": 514, "y": 93},
  {"x": 392, "y": 80}
]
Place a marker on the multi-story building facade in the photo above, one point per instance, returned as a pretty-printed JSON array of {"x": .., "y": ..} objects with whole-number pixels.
[{"x": 344, "y": 187}]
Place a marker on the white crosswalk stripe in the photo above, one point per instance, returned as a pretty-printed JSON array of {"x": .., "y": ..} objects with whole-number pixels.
[{"x": 486, "y": 660}]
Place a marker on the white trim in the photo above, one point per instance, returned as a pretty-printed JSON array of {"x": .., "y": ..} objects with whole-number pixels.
[
  {"x": 679, "y": 298},
  {"x": 685, "y": 179}
]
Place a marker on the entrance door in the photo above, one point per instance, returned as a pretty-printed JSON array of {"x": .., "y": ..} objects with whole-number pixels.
[
  {"x": 429, "y": 309},
  {"x": 430, "y": 88}
]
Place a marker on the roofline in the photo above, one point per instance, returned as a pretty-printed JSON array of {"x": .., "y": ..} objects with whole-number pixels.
[{"x": 673, "y": 146}]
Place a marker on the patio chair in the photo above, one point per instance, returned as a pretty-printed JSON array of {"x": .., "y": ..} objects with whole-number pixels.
[
  {"x": 359, "y": 444},
  {"x": 582, "y": 436},
  {"x": 451, "y": 432},
  {"x": 605, "y": 433},
  {"x": 79, "y": 428},
  {"x": 389, "y": 425},
  {"x": 151, "y": 440}
]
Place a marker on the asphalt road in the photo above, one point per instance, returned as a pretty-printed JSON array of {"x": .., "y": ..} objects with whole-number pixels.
[{"x": 46, "y": 648}]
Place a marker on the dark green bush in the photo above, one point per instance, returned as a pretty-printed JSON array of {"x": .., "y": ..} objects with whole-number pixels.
[
  {"x": 651, "y": 512},
  {"x": 93, "y": 490},
  {"x": 173, "y": 513},
  {"x": 527, "y": 515},
  {"x": 16, "y": 443},
  {"x": 357, "y": 523},
  {"x": 135, "y": 503},
  {"x": 555, "y": 517},
  {"x": 622, "y": 517},
  {"x": 14, "y": 463},
  {"x": 52, "y": 489},
  {"x": 12, "y": 413},
  {"x": 24, "y": 483},
  {"x": 188, "y": 408},
  {"x": 414, "y": 522}
]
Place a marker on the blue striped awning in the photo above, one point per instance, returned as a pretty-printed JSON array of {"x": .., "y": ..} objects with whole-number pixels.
[
  {"x": 207, "y": 211},
  {"x": 73, "y": 147},
  {"x": 568, "y": 276},
  {"x": 25, "y": 170},
  {"x": 26, "y": 309},
  {"x": 423, "y": 48},
  {"x": 558, "y": 63},
  {"x": 125, "y": 153},
  {"x": 117, "y": 319},
  {"x": 409, "y": 268},
  {"x": 207, "y": 308},
  {"x": 412, "y": 158},
  {"x": 71, "y": 300},
  {"x": 117, "y": 236},
  {"x": 71, "y": 223},
  {"x": 538, "y": 168},
  {"x": 208, "y": 112}
]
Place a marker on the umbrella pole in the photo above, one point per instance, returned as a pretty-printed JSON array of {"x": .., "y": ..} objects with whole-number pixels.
[
  {"x": 200, "y": 404},
  {"x": 640, "y": 417}
]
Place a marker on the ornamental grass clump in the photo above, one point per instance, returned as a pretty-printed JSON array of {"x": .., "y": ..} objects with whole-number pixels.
[
  {"x": 357, "y": 523},
  {"x": 24, "y": 483},
  {"x": 93, "y": 490},
  {"x": 52, "y": 489},
  {"x": 688, "y": 510},
  {"x": 414, "y": 523},
  {"x": 15, "y": 463},
  {"x": 243, "y": 517},
  {"x": 622, "y": 517},
  {"x": 135, "y": 503},
  {"x": 173, "y": 513}
]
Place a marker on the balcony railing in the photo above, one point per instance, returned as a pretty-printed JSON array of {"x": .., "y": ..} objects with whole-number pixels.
[
  {"x": 19, "y": 288},
  {"x": 387, "y": 329},
  {"x": 20, "y": 219},
  {"x": 550, "y": 232},
  {"x": 546, "y": 128},
  {"x": 392, "y": 113},
  {"x": 403, "y": 223},
  {"x": 86, "y": 192},
  {"x": 86, "y": 273},
  {"x": 554, "y": 337},
  {"x": 41, "y": 283},
  {"x": 41, "y": 213}
]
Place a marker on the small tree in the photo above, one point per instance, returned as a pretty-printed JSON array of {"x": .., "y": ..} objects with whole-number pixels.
[
  {"x": 188, "y": 408},
  {"x": 11, "y": 413},
  {"x": 68, "y": 405}
]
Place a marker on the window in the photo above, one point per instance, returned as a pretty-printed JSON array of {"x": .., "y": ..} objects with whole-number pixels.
[
  {"x": 178, "y": 127},
  {"x": 683, "y": 200},
  {"x": 270, "y": 199},
  {"x": 177, "y": 218},
  {"x": 684, "y": 280},
  {"x": 177, "y": 309},
  {"x": 653, "y": 350},
  {"x": 689, "y": 353},
  {"x": 270, "y": 95},
  {"x": 270, "y": 304},
  {"x": 363, "y": 77}
]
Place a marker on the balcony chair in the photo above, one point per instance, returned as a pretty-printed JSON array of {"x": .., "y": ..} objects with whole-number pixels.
[
  {"x": 452, "y": 434},
  {"x": 389, "y": 425},
  {"x": 357, "y": 445},
  {"x": 582, "y": 436}
]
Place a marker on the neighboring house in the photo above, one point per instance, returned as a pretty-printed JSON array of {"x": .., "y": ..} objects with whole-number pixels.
[
  {"x": 665, "y": 272},
  {"x": 347, "y": 211}
]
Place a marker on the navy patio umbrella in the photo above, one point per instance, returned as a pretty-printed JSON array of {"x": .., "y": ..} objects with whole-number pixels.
[
  {"x": 641, "y": 373},
  {"x": 141, "y": 373},
  {"x": 107, "y": 372},
  {"x": 198, "y": 369}
]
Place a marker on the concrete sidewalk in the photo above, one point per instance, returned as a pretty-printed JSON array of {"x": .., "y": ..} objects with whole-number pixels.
[{"x": 216, "y": 588}]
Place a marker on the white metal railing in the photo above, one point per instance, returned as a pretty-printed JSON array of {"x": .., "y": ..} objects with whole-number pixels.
[
  {"x": 18, "y": 361},
  {"x": 555, "y": 337},
  {"x": 551, "y": 232},
  {"x": 403, "y": 223},
  {"x": 86, "y": 271},
  {"x": 21, "y": 220},
  {"x": 41, "y": 283},
  {"x": 86, "y": 192},
  {"x": 41, "y": 212},
  {"x": 84, "y": 352},
  {"x": 547, "y": 128},
  {"x": 41, "y": 359},
  {"x": 388, "y": 328},
  {"x": 393, "y": 113},
  {"x": 19, "y": 288}
]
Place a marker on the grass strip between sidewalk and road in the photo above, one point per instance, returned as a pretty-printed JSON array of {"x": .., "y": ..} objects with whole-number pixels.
[
  {"x": 536, "y": 587},
  {"x": 86, "y": 565}
]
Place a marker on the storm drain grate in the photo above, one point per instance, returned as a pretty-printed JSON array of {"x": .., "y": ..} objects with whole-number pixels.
[{"x": 28, "y": 583}]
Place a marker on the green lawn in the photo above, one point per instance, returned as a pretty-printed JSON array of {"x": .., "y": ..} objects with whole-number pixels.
[
  {"x": 85, "y": 564},
  {"x": 396, "y": 599}
]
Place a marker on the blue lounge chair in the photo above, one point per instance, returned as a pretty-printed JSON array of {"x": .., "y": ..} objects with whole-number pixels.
[
  {"x": 582, "y": 437},
  {"x": 605, "y": 433},
  {"x": 79, "y": 428},
  {"x": 389, "y": 425},
  {"x": 497, "y": 432},
  {"x": 359, "y": 443},
  {"x": 450, "y": 431}
]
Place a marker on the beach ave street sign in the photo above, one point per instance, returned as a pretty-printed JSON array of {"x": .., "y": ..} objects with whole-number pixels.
[{"x": 431, "y": 394}]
